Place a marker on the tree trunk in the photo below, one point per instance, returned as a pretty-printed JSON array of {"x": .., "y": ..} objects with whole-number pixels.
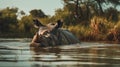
[
  {"x": 78, "y": 11},
  {"x": 88, "y": 12},
  {"x": 101, "y": 10}
]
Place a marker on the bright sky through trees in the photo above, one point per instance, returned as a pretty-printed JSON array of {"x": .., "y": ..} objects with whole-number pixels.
[{"x": 47, "y": 6}]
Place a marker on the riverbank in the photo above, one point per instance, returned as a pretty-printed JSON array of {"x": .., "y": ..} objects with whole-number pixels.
[
  {"x": 16, "y": 35},
  {"x": 13, "y": 35},
  {"x": 87, "y": 33}
]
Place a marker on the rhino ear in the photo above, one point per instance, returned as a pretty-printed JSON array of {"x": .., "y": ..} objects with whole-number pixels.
[
  {"x": 58, "y": 24},
  {"x": 37, "y": 23}
]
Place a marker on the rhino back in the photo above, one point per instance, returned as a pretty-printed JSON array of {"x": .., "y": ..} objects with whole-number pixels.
[{"x": 66, "y": 37}]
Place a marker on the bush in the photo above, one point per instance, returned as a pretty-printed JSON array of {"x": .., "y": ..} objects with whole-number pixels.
[
  {"x": 82, "y": 32},
  {"x": 98, "y": 30}
]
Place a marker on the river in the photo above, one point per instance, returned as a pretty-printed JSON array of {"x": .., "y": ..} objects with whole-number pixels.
[{"x": 17, "y": 53}]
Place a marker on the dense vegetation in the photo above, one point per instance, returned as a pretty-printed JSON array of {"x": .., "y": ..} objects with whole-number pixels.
[{"x": 89, "y": 20}]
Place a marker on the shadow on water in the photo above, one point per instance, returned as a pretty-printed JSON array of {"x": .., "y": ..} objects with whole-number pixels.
[{"x": 86, "y": 54}]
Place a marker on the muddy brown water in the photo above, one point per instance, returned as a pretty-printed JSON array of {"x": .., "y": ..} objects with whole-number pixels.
[{"x": 17, "y": 53}]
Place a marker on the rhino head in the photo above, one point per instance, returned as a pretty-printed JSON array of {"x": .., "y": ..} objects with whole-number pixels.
[
  {"x": 51, "y": 35},
  {"x": 47, "y": 34}
]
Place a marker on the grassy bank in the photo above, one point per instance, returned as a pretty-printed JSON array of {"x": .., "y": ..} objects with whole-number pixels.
[{"x": 98, "y": 29}]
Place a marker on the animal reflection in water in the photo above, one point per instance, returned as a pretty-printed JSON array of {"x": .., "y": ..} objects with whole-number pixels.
[{"x": 52, "y": 35}]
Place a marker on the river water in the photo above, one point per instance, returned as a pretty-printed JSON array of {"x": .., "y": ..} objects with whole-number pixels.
[{"x": 17, "y": 53}]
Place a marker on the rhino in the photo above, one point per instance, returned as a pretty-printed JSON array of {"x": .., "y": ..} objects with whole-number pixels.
[{"x": 52, "y": 35}]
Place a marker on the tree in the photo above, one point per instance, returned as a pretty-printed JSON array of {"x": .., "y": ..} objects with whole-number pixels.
[
  {"x": 8, "y": 19},
  {"x": 85, "y": 9},
  {"x": 25, "y": 25},
  {"x": 22, "y": 12},
  {"x": 37, "y": 13},
  {"x": 112, "y": 14}
]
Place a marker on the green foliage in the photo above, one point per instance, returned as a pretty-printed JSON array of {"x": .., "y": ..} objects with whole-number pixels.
[
  {"x": 112, "y": 14},
  {"x": 85, "y": 9},
  {"x": 26, "y": 25},
  {"x": 23, "y": 27},
  {"x": 65, "y": 15},
  {"x": 37, "y": 13},
  {"x": 8, "y": 19}
]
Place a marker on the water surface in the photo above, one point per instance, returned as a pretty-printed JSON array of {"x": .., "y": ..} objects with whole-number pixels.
[{"x": 17, "y": 53}]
